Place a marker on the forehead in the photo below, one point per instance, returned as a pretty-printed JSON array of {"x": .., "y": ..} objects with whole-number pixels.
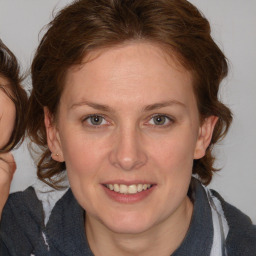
[
  {"x": 143, "y": 68},
  {"x": 128, "y": 51}
]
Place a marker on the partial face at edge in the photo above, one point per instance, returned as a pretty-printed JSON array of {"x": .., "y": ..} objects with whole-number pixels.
[
  {"x": 7, "y": 113},
  {"x": 129, "y": 117}
]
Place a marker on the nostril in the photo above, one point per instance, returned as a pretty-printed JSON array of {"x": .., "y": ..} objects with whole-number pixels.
[{"x": 128, "y": 163}]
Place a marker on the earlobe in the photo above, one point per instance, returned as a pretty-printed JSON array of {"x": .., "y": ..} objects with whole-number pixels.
[
  {"x": 205, "y": 136},
  {"x": 53, "y": 139}
]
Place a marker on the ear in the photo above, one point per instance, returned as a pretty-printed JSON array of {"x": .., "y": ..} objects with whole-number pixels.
[
  {"x": 53, "y": 138},
  {"x": 204, "y": 136}
]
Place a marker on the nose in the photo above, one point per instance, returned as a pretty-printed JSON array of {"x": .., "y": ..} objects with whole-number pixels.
[{"x": 128, "y": 152}]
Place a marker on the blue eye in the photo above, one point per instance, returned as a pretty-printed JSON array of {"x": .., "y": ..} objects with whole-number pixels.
[
  {"x": 160, "y": 120},
  {"x": 95, "y": 120}
]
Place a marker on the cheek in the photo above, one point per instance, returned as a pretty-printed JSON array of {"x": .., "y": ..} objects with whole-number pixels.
[
  {"x": 82, "y": 154},
  {"x": 175, "y": 151},
  {"x": 7, "y": 121},
  {"x": 173, "y": 159},
  {"x": 11, "y": 116}
]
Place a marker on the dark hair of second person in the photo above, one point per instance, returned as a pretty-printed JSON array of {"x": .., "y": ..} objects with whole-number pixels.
[{"x": 10, "y": 72}]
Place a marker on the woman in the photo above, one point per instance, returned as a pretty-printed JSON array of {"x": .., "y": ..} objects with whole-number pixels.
[
  {"x": 125, "y": 103},
  {"x": 13, "y": 99}
]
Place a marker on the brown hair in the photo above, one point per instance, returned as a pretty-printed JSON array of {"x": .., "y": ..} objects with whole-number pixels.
[
  {"x": 86, "y": 25},
  {"x": 9, "y": 69}
]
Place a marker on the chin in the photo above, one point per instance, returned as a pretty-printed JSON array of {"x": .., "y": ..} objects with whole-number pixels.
[
  {"x": 129, "y": 229},
  {"x": 129, "y": 224}
]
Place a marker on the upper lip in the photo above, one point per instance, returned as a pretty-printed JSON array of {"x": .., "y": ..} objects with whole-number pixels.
[{"x": 127, "y": 183}]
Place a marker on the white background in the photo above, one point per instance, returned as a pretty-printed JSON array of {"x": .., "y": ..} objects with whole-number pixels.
[{"x": 234, "y": 29}]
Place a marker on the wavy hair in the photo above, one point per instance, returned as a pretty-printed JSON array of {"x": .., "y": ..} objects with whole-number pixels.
[{"x": 86, "y": 25}]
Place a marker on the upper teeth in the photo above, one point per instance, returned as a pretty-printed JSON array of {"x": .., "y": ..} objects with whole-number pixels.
[{"x": 131, "y": 189}]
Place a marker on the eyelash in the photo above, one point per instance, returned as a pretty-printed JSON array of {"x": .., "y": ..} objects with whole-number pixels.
[
  {"x": 169, "y": 119},
  {"x": 86, "y": 118}
]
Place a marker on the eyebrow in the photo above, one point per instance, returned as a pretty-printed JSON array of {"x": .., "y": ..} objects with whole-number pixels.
[
  {"x": 163, "y": 104},
  {"x": 92, "y": 105},
  {"x": 106, "y": 108}
]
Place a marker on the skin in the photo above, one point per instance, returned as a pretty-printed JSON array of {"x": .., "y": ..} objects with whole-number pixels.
[
  {"x": 7, "y": 169},
  {"x": 7, "y": 121},
  {"x": 134, "y": 82},
  {"x": 7, "y": 113}
]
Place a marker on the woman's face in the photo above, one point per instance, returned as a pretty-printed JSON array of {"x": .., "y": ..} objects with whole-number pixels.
[
  {"x": 128, "y": 121},
  {"x": 7, "y": 113}
]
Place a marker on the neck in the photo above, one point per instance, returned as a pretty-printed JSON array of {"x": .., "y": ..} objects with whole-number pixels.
[{"x": 162, "y": 239}]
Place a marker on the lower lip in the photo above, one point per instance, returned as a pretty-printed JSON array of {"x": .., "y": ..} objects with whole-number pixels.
[{"x": 128, "y": 198}]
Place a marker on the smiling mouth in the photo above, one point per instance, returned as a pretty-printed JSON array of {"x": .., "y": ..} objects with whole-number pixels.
[{"x": 130, "y": 189}]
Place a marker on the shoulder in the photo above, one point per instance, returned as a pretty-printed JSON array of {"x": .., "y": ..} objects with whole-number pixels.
[
  {"x": 27, "y": 194},
  {"x": 24, "y": 230},
  {"x": 20, "y": 204},
  {"x": 22, "y": 210},
  {"x": 241, "y": 239}
]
